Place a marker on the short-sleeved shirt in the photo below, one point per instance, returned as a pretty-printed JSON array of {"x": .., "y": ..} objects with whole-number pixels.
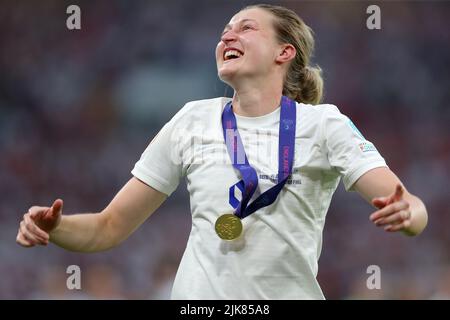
[{"x": 277, "y": 256}]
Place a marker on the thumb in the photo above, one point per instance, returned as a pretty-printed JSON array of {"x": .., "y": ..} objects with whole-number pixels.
[
  {"x": 381, "y": 202},
  {"x": 56, "y": 209},
  {"x": 398, "y": 194}
]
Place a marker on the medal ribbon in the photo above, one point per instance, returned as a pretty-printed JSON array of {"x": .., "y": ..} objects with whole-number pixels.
[{"x": 286, "y": 144}]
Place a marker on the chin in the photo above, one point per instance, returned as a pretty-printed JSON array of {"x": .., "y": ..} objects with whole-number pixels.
[{"x": 226, "y": 75}]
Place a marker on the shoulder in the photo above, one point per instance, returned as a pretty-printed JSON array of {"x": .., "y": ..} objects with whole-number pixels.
[
  {"x": 200, "y": 108},
  {"x": 325, "y": 120},
  {"x": 318, "y": 109},
  {"x": 208, "y": 103},
  {"x": 319, "y": 115}
]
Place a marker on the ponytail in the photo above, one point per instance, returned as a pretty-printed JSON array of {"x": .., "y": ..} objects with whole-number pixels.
[{"x": 310, "y": 86}]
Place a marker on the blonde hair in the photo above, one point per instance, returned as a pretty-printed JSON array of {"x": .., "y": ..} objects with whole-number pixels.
[{"x": 303, "y": 82}]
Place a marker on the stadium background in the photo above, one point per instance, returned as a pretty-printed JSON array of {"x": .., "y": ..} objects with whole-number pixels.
[{"x": 77, "y": 108}]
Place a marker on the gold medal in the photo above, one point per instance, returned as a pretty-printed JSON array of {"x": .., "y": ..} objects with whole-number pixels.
[{"x": 228, "y": 226}]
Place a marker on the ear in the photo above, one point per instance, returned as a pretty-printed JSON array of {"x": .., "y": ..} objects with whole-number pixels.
[{"x": 286, "y": 53}]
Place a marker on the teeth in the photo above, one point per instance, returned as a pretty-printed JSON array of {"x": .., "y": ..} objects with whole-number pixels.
[{"x": 232, "y": 53}]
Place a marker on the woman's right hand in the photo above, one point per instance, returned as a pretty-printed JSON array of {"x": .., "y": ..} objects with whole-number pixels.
[{"x": 37, "y": 223}]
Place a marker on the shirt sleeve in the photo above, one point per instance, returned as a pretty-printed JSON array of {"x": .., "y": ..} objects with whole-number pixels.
[
  {"x": 348, "y": 151},
  {"x": 160, "y": 166}
]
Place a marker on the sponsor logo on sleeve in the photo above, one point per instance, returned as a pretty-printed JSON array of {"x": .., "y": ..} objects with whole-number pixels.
[{"x": 367, "y": 146}]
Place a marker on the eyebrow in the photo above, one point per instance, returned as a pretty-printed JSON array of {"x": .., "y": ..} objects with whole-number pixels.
[{"x": 228, "y": 26}]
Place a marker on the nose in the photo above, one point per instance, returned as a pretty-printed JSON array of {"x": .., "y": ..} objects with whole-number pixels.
[{"x": 228, "y": 36}]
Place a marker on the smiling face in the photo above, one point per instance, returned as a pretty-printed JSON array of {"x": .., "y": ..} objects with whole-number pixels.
[{"x": 248, "y": 47}]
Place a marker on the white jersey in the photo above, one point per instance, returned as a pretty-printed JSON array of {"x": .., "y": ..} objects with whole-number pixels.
[{"x": 277, "y": 256}]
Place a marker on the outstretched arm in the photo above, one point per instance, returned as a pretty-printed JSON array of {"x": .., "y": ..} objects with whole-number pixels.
[
  {"x": 92, "y": 232},
  {"x": 398, "y": 210}
]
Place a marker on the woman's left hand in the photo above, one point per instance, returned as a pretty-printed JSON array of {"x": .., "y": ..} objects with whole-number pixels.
[{"x": 394, "y": 212}]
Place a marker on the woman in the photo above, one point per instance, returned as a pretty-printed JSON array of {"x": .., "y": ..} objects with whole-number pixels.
[{"x": 255, "y": 234}]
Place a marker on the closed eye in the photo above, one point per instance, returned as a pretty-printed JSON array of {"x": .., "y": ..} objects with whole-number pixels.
[
  {"x": 247, "y": 27},
  {"x": 244, "y": 26}
]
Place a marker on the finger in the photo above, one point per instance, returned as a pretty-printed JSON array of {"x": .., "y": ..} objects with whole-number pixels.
[
  {"x": 395, "y": 218},
  {"x": 399, "y": 190},
  {"x": 25, "y": 238},
  {"x": 397, "y": 195},
  {"x": 29, "y": 236},
  {"x": 34, "y": 229},
  {"x": 36, "y": 211},
  {"x": 26, "y": 235},
  {"x": 397, "y": 227},
  {"x": 21, "y": 240},
  {"x": 389, "y": 209},
  {"x": 380, "y": 202}
]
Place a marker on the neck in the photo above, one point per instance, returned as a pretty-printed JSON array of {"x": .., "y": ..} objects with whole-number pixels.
[{"x": 256, "y": 101}]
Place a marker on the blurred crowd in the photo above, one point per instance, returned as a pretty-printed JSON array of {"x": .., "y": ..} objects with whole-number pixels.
[{"x": 78, "y": 107}]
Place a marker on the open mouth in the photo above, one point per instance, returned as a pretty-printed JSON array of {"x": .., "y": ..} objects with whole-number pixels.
[{"x": 231, "y": 54}]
